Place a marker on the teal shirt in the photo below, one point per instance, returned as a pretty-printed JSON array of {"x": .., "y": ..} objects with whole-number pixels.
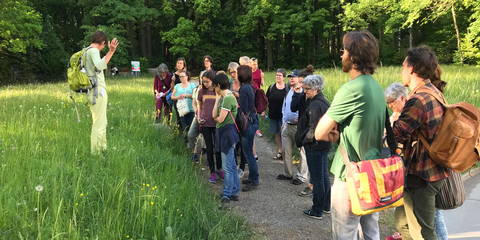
[
  {"x": 359, "y": 109},
  {"x": 188, "y": 90},
  {"x": 95, "y": 66}
]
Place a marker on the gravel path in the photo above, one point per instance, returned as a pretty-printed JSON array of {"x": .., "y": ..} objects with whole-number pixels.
[{"x": 274, "y": 209}]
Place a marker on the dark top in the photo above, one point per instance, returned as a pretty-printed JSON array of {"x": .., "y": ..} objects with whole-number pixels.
[
  {"x": 314, "y": 110},
  {"x": 247, "y": 102},
  {"x": 207, "y": 98},
  {"x": 227, "y": 137},
  {"x": 275, "y": 101},
  {"x": 162, "y": 85},
  {"x": 298, "y": 103}
]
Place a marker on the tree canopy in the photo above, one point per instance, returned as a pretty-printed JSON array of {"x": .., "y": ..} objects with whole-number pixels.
[{"x": 37, "y": 36}]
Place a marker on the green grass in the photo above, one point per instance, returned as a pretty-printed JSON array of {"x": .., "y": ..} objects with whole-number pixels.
[
  {"x": 463, "y": 82},
  {"x": 144, "y": 187}
]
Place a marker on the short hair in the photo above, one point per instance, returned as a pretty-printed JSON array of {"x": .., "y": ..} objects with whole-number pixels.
[
  {"x": 362, "y": 48},
  {"x": 221, "y": 80},
  {"x": 424, "y": 62},
  {"x": 210, "y": 74},
  {"x": 282, "y": 71},
  {"x": 316, "y": 82},
  {"x": 99, "y": 37},
  {"x": 209, "y": 58},
  {"x": 184, "y": 62},
  {"x": 244, "y": 60},
  {"x": 394, "y": 91},
  {"x": 244, "y": 73},
  {"x": 162, "y": 68},
  {"x": 232, "y": 66}
]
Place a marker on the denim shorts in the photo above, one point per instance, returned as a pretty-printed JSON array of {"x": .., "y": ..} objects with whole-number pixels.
[{"x": 275, "y": 126}]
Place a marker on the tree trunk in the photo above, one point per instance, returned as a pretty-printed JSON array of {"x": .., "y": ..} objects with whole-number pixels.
[
  {"x": 410, "y": 38},
  {"x": 269, "y": 54},
  {"x": 454, "y": 16}
]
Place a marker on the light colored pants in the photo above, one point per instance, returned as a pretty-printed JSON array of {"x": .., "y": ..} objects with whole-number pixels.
[
  {"x": 346, "y": 225},
  {"x": 195, "y": 140},
  {"x": 288, "y": 144},
  {"x": 98, "y": 138}
]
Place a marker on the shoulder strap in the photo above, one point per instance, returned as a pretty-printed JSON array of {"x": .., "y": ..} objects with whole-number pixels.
[
  {"x": 434, "y": 94},
  {"x": 234, "y": 122},
  {"x": 391, "y": 142}
]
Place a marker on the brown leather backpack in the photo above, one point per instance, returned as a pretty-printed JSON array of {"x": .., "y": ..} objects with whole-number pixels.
[{"x": 457, "y": 143}]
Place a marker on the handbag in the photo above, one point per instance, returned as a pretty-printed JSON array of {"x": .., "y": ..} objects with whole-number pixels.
[
  {"x": 378, "y": 184},
  {"x": 182, "y": 107},
  {"x": 242, "y": 121},
  {"x": 452, "y": 193}
]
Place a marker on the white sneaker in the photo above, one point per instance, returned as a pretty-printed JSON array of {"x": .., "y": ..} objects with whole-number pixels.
[{"x": 240, "y": 173}]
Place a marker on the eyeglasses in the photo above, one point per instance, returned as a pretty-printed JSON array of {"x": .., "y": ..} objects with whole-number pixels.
[
  {"x": 183, "y": 76},
  {"x": 232, "y": 72},
  {"x": 391, "y": 101},
  {"x": 279, "y": 75},
  {"x": 307, "y": 88}
]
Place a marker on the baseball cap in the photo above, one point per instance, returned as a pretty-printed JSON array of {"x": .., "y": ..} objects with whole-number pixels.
[{"x": 294, "y": 73}]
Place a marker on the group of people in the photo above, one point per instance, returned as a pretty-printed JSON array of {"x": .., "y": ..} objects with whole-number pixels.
[
  {"x": 302, "y": 118},
  {"x": 207, "y": 112}
]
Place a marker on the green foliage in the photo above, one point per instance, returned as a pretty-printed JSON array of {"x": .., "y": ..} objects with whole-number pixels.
[
  {"x": 20, "y": 27},
  {"x": 280, "y": 33},
  {"x": 182, "y": 37}
]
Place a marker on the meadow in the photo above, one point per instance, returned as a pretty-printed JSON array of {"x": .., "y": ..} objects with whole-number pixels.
[{"x": 144, "y": 186}]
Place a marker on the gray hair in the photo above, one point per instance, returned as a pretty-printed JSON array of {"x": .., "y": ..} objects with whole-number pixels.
[
  {"x": 314, "y": 81},
  {"x": 244, "y": 60},
  {"x": 162, "y": 68},
  {"x": 395, "y": 91},
  {"x": 232, "y": 66}
]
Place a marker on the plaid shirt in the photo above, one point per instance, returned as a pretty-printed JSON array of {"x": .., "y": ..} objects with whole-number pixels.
[{"x": 422, "y": 114}]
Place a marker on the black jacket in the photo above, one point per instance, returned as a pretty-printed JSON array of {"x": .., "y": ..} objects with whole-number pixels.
[{"x": 314, "y": 110}]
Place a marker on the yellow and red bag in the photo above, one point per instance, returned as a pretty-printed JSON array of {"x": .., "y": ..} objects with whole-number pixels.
[{"x": 375, "y": 185}]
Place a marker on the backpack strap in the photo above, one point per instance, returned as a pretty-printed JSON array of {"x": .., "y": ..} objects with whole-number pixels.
[
  {"x": 441, "y": 99},
  {"x": 234, "y": 122}
]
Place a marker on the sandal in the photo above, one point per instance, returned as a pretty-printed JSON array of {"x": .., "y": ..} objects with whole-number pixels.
[{"x": 278, "y": 156}]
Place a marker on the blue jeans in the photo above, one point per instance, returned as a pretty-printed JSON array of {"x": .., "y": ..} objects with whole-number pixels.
[
  {"x": 231, "y": 181},
  {"x": 247, "y": 147},
  {"x": 440, "y": 226},
  {"x": 318, "y": 167}
]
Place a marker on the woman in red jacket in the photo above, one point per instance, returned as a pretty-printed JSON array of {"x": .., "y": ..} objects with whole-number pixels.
[{"x": 161, "y": 85}]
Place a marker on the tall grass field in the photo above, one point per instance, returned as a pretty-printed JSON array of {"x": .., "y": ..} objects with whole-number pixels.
[{"x": 144, "y": 186}]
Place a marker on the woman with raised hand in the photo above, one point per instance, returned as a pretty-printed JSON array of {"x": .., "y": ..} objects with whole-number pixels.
[
  {"x": 224, "y": 113},
  {"x": 316, "y": 151}
]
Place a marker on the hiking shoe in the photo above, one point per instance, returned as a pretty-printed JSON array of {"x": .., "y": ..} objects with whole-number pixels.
[
  {"x": 326, "y": 211},
  {"x": 213, "y": 178},
  {"x": 311, "y": 214},
  {"x": 249, "y": 187},
  {"x": 306, "y": 192},
  {"x": 195, "y": 158},
  {"x": 232, "y": 198},
  {"x": 256, "y": 158},
  {"x": 283, "y": 177},
  {"x": 225, "y": 200},
  {"x": 259, "y": 133},
  {"x": 296, "y": 181},
  {"x": 278, "y": 157},
  {"x": 246, "y": 181},
  {"x": 221, "y": 174},
  {"x": 240, "y": 173}
]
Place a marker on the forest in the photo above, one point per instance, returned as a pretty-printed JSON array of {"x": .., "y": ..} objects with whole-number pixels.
[{"x": 37, "y": 37}]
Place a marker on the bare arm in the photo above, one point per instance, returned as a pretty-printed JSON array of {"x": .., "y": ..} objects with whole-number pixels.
[
  {"x": 223, "y": 114},
  {"x": 326, "y": 130},
  {"x": 214, "y": 111}
]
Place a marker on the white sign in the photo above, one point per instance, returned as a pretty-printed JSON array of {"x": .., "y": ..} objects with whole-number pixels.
[{"x": 135, "y": 66}]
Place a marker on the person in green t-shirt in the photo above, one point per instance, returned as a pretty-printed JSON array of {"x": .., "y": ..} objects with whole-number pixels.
[
  {"x": 358, "y": 113},
  {"x": 224, "y": 113},
  {"x": 95, "y": 66}
]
